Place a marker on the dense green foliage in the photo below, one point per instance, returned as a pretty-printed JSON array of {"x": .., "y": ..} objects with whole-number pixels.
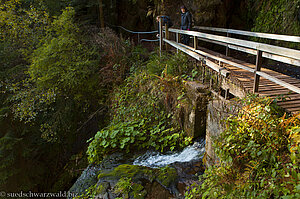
[
  {"x": 54, "y": 74},
  {"x": 61, "y": 71},
  {"x": 275, "y": 16},
  {"x": 259, "y": 155},
  {"x": 144, "y": 113},
  {"x": 280, "y": 16},
  {"x": 174, "y": 65}
]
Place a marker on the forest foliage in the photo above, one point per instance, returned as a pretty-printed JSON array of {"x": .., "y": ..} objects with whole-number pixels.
[
  {"x": 143, "y": 112},
  {"x": 259, "y": 155},
  {"x": 57, "y": 68},
  {"x": 55, "y": 73}
]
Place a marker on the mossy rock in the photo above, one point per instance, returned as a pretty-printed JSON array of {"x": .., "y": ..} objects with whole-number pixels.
[
  {"x": 102, "y": 188},
  {"x": 129, "y": 171},
  {"x": 89, "y": 177},
  {"x": 138, "y": 191},
  {"x": 137, "y": 179},
  {"x": 167, "y": 176}
]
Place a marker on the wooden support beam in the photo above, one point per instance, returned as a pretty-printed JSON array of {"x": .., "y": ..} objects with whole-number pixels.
[
  {"x": 227, "y": 46},
  {"x": 177, "y": 40},
  {"x": 257, "y": 68},
  {"x": 195, "y": 42},
  {"x": 227, "y": 93},
  {"x": 160, "y": 35},
  {"x": 167, "y": 35},
  {"x": 210, "y": 80},
  {"x": 203, "y": 72}
]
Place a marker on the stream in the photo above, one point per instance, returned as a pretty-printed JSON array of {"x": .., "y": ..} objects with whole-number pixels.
[
  {"x": 155, "y": 159},
  {"x": 158, "y": 175}
]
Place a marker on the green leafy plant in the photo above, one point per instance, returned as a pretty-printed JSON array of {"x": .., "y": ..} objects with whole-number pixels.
[{"x": 140, "y": 120}]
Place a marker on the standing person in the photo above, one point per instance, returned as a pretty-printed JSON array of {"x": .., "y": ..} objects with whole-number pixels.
[
  {"x": 186, "y": 23},
  {"x": 165, "y": 21}
]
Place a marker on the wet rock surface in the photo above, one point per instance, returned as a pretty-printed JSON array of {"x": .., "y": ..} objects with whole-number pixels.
[{"x": 116, "y": 176}]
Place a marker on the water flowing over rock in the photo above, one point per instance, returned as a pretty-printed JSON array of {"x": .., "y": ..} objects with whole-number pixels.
[
  {"x": 151, "y": 175},
  {"x": 156, "y": 160}
]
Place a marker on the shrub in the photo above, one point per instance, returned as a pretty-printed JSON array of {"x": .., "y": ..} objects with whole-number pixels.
[
  {"x": 259, "y": 153},
  {"x": 176, "y": 64},
  {"x": 140, "y": 119}
]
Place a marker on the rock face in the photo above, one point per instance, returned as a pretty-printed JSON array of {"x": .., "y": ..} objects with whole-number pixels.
[
  {"x": 195, "y": 111},
  {"x": 89, "y": 176},
  {"x": 216, "y": 13},
  {"x": 218, "y": 110},
  {"x": 214, "y": 128}
]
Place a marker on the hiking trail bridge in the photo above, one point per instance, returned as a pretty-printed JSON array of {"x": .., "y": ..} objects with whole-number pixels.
[{"x": 237, "y": 77}]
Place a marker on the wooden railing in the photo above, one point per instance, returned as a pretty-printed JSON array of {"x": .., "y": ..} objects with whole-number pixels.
[
  {"x": 287, "y": 38},
  {"x": 231, "y": 32},
  {"x": 282, "y": 54}
]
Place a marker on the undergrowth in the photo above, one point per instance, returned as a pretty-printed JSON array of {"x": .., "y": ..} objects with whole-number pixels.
[
  {"x": 144, "y": 111},
  {"x": 259, "y": 155}
]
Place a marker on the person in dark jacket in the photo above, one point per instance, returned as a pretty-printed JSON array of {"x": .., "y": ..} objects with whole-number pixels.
[
  {"x": 186, "y": 23},
  {"x": 166, "y": 20}
]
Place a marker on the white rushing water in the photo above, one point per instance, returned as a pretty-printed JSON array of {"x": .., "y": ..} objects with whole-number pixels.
[{"x": 155, "y": 159}]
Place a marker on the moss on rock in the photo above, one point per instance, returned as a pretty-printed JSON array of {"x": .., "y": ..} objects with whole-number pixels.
[
  {"x": 132, "y": 181},
  {"x": 166, "y": 176},
  {"x": 129, "y": 171}
]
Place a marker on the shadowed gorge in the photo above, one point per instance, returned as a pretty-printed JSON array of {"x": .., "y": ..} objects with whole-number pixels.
[{"x": 95, "y": 104}]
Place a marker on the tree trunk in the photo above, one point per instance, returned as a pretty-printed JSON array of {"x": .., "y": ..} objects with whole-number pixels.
[{"x": 101, "y": 15}]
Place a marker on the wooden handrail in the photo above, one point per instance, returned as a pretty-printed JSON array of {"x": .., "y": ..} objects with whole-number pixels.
[
  {"x": 288, "y": 38},
  {"x": 286, "y": 52},
  {"x": 279, "y": 58}
]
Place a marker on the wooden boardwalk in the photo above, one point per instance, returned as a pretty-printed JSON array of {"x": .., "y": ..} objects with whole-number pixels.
[
  {"x": 247, "y": 77},
  {"x": 267, "y": 88}
]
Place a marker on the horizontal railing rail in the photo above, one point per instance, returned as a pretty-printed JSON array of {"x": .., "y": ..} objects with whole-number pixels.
[
  {"x": 138, "y": 33},
  {"x": 282, "y": 51},
  {"x": 287, "y": 38}
]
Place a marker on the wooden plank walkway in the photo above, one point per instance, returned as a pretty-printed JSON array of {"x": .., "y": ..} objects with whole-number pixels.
[{"x": 267, "y": 88}]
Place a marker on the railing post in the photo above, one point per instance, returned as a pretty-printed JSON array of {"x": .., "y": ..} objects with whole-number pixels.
[
  {"x": 138, "y": 38},
  {"x": 227, "y": 48},
  {"x": 211, "y": 79},
  {"x": 226, "y": 94},
  {"x": 160, "y": 35},
  {"x": 177, "y": 40},
  {"x": 195, "y": 42},
  {"x": 167, "y": 35},
  {"x": 257, "y": 68},
  {"x": 204, "y": 75}
]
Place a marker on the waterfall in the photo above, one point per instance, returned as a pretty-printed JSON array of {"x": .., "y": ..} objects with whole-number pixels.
[{"x": 156, "y": 160}]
